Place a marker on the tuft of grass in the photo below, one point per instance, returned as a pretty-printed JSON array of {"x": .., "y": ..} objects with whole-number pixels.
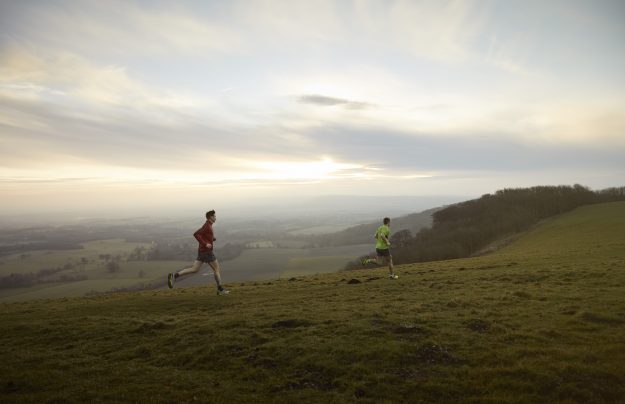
[{"x": 547, "y": 328}]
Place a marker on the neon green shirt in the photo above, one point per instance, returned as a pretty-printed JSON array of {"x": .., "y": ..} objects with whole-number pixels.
[{"x": 380, "y": 244}]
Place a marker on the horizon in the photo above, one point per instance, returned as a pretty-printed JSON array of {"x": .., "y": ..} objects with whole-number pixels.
[
  {"x": 349, "y": 208},
  {"x": 154, "y": 107}
]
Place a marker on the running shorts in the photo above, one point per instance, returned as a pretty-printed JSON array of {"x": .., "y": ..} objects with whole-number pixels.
[
  {"x": 383, "y": 252},
  {"x": 206, "y": 256}
]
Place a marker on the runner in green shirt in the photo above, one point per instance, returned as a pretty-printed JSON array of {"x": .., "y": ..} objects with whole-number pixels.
[{"x": 382, "y": 248}]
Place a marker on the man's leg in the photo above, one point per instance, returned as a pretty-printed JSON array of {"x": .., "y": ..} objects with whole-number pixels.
[
  {"x": 217, "y": 274},
  {"x": 391, "y": 269},
  {"x": 389, "y": 259},
  {"x": 375, "y": 260},
  {"x": 171, "y": 278},
  {"x": 190, "y": 270}
]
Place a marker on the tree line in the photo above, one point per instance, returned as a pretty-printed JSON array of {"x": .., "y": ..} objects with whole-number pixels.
[
  {"x": 24, "y": 280},
  {"x": 463, "y": 229},
  {"x": 71, "y": 271}
]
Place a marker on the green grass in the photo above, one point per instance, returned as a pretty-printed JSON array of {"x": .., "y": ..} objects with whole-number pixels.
[
  {"x": 324, "y": 260},
  {"x": 541, "y": 320},
  {"x": 313, "y": 265}
]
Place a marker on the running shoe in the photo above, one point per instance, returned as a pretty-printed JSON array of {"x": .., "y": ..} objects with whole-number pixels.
[
  {"x": 171, "y": 279},
  {"x": 223, "y": 292},
  {"x": 393, "y": 276}
]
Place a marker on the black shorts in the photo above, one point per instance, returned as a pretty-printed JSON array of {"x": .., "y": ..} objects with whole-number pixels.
[
  {"x": 206, "y": 256},
  {"x": 383, "y": 252}
]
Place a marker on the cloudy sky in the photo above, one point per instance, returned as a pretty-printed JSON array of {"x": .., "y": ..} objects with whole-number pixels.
[{"x": 114, "y": 104}]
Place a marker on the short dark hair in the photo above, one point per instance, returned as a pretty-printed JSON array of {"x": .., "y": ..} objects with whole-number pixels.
[
  {"x": 210, "y": 213},
  {"x": 387, "y": 220}
]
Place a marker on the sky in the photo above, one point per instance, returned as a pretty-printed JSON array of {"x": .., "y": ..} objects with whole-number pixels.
[{"x": 148, "y": 105}]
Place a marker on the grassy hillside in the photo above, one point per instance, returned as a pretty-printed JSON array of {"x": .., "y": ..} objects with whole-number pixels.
[{"x": 541, "y": 320}]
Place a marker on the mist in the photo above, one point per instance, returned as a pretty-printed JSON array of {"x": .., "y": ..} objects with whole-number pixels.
[{"x": 338, "y": 209}]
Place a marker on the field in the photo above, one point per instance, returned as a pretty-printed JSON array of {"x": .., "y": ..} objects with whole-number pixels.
[
  {"x": 36, "y": 260},
  {"x": 253, "y": 264},
  {"x": 541, "y": 320},
  {"x": 85, "y": 262}
]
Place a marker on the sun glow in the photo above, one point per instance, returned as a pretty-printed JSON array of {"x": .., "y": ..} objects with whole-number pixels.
[
  {"x": 238, "y": 172},
  {"x": 314, "y": 170}
]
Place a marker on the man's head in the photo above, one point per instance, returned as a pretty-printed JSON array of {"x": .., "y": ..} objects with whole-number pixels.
[
  {"x": 387, "y": 221},
  {"x": 210, "y": 215}
]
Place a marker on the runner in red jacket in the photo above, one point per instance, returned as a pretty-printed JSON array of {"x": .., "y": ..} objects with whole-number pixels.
[{"x": 205, "y": 238}]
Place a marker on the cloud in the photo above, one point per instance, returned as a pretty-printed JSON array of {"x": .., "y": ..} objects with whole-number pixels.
[
  {"x": 62, "y": 108},
  {"x": 49, "y": 180},
  {"x": 120, "y": 28},
  {"x": 439, "y": 31},
  {"x": 402, "y": 152},
  {"x": 510, "y": 55},
  {"x": 293, "y": 22},
  {"x": 205, "y": 92},
  {"x": 331, "y": 101},
  {"x": 62, "y": 77}
]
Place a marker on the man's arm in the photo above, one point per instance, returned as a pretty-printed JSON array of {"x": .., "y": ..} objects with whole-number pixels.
[
  {"x": 200, "y": 236},
  {"x": 385, "y": 238}
]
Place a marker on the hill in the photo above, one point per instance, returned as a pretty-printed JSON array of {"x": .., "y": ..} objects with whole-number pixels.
[
  {"x": 464, "y": 229},
  {"x": 540, "y": 320},
  {"x": 363, "y": 233}
]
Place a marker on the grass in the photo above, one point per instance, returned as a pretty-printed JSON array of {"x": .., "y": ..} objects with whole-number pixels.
[
  {"x": 541, "y": 320},
  {"x": 314, "y": 265}
]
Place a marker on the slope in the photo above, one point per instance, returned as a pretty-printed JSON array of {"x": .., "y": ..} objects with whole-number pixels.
[{"x": 538, "y": 321}]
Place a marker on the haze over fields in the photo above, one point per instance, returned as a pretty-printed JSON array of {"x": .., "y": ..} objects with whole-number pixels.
[{"x": 130, "y": 108}]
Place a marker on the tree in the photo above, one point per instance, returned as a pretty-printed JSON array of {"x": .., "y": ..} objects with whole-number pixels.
[
  {"x": 112, "y": 266},
  {"x": 401, "y": 238}
]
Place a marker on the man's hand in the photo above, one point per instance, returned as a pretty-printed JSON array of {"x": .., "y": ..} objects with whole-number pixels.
[{"x": 209, "y": 245}]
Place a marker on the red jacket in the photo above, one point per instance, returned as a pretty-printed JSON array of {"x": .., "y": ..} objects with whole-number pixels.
[{"x": 204, "y": 235}]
